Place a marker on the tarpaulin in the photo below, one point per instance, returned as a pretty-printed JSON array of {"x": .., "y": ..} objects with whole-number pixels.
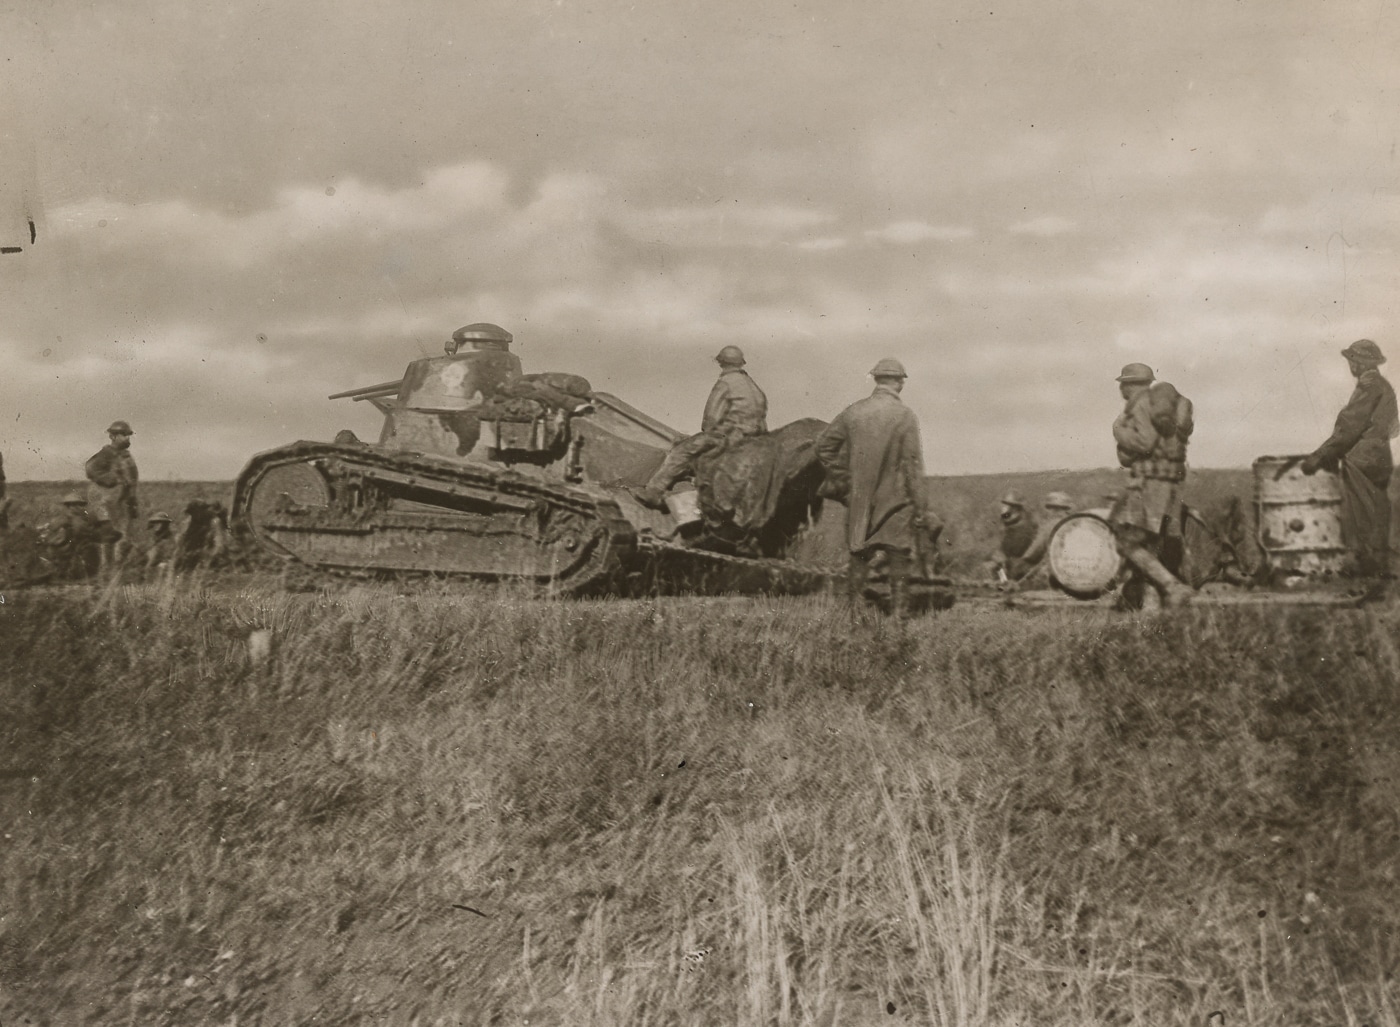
[{"x": 764, "y": 485}]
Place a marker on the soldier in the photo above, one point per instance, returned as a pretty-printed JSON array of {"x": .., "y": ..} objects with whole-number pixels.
[
  {"x": 112, "y": 471},
  {"x": 160, "y": 557},
  {"x": 1359, "y": 450},
  {"x": 1026, "y": 566},
  {"x": 1018, "y": 531},
  {"x": 75, "y": 539},
  {"x": 4, "y": 501},
  {"x": 1151, "y": 433},
  {"x": 874, "y": 464},
  {"x": 737, "y": 409}
]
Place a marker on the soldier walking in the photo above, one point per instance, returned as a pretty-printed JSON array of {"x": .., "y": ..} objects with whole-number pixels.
[
  {"x": 112, "y": 471},
  {"x": 875, "y": 465},
  {"x": 1359, "y": 450},
  {"x": 1151, "y": 433},
  {"x": 737, "y": 409}
]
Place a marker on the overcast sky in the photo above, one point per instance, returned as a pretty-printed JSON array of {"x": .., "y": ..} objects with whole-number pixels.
[{"x": 243, "y": 207}]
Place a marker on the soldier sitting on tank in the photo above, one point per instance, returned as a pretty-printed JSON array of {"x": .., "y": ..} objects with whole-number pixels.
[{"x": 737, "y": 409}]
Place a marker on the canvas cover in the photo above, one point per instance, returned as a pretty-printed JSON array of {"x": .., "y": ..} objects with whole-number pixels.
[{"x": 765, "y": 486}]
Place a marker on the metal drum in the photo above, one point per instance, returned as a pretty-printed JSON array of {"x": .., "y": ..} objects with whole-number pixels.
[
  {"x": 1083, "y": 557},
  {"x": 1299, "y": 519}
]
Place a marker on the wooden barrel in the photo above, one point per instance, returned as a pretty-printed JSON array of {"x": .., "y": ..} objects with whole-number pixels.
[{"x": 1083, "y": 556}]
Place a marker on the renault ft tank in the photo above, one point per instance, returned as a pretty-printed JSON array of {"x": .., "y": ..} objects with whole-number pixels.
[{"x": 483, "y": 472}]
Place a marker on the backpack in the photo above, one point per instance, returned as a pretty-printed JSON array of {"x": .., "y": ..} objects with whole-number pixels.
[{"x": 1172, "y": 413}]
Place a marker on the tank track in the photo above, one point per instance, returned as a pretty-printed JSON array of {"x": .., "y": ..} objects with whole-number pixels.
[
  {"x": 335, "y": 542},
  {"x": 463, "y": 508}
]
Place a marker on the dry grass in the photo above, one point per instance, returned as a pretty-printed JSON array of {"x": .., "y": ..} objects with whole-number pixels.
[{"x": 484, "y": 809}]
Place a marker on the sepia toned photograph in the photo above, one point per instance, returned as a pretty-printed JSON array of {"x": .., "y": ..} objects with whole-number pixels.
[{"x": 767, "y": 514}]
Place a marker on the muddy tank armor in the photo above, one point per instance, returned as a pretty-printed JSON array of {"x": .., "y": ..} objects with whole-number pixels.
[{"x": 483, "y": 472}]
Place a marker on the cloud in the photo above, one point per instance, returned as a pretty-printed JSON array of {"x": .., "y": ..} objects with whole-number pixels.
[
  {"x": 906, "y": 232},
  {"x": 1045, "y": 225},
  {"x": 291, "y": 200}
]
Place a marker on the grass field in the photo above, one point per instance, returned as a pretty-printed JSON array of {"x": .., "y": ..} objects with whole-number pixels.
[{"x": 243, "y": 807}]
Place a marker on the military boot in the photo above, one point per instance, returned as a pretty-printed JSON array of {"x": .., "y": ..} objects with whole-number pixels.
[
  {"x": 1172, "y": 591},
  {"x": 649, "y": 497}
]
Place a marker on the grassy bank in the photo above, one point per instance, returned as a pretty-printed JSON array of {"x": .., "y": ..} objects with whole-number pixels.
[{"x": 257, "y": 808}]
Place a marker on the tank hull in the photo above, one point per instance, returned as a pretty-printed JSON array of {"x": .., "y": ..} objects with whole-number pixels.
[{"x": 365, "y": 511}]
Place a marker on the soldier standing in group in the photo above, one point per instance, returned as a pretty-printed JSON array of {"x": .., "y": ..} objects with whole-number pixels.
[
  {"x": 874, "y": 464},
  {"x": 1359, "y": 450},
  {"x": 1151, "y": 433},
  {"x": 112, "y": 471},
  {"x": 4, "y": 500},
  {"x": 737, "y": 409}
]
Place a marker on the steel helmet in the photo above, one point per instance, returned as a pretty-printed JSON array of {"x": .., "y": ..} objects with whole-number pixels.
[
  {"x": 1012, "y": 498},
  {"x": 1136, "y": 373},
  {"x": 482, "y": 331},
  {"x": 119, "y": 428},
  {"x": 731, "y": 356},
  {"x": 74, "y": 499},
  {"x": 888, "y": 367},
  {"x": 1058, "y": 501},
  {"x": 1364, "y": 351},
  {"x": 163, "y": 518}
]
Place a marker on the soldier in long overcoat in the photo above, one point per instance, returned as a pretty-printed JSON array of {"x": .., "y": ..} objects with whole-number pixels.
[
  {"x": 1359, "y": 450},
  {"x": 113, "y": 493},
  {"x": 874, "y": 463}
]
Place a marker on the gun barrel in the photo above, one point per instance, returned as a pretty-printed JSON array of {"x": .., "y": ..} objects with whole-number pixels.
[{"x": 383, "y": 388}]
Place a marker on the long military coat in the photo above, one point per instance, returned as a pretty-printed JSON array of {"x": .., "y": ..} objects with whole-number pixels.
[
  {"x": 1364, "y": 429},
  {"x": 737, "y": 407},
  {"x": 113, "y": 474},
  {"x": 871, "y": 453}
]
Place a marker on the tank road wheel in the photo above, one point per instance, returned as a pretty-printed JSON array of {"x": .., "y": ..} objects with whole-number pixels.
[{"x": 283, "y": 490}]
